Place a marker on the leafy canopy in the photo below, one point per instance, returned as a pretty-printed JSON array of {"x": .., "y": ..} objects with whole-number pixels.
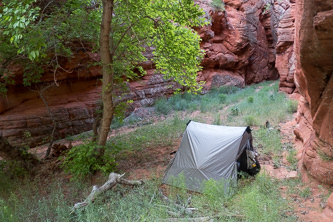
[
  {"x": 38, "y": 33},
  {"x": 163, "y": 28}
]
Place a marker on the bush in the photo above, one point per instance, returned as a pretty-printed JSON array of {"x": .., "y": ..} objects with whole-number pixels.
[
  {"x": 181, "y": 105},
  {"x": 204, "y": 105},
  {"x": 250, "y": 99},
  {"x": 235, "y": 111},
  {"x": 222, "y": 98},
  {"x": 162, "y": 106},
  {"x": 187, "y": 96},
  {"x": 82, "y": 160},
  {"x": 13, "y": 168},
  {"x": 250, "y": 120},
  {"x": 292, "y": 106},
  {"x": 217, "y": 4},
  {"x": 228, "y": 89},
  {"x": 117, "y": 122}
]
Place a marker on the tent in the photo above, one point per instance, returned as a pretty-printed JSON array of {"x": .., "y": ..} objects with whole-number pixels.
[{"x": 212, "y": 152}]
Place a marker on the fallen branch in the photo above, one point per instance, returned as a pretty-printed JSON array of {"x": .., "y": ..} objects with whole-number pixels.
[{"x": 114, "y": 178}]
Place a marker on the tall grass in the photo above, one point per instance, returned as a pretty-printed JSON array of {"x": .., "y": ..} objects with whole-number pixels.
[
  {"x": 253, "y": 105},
  {"x": 33, "y": 201},
  {"x": 260, "y": 200}
]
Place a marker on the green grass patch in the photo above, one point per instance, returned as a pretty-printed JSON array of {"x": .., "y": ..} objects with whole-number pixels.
[
  {"x": 260, "y": 199},
  {"x": 268, "y": 141}
]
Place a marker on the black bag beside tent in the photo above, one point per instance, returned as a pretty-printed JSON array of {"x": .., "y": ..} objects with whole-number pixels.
[
  {"x": 212, "y": 152},
  {"x": 247, "y": 162}
]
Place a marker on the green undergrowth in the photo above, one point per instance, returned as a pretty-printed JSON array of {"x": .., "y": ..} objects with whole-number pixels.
[
  {"x": 253, "y": 198},
  {"x": 261, "y": 106}
]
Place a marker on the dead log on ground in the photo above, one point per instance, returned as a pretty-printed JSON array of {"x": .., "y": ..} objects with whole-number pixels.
[{"x": 114, "y": 178}]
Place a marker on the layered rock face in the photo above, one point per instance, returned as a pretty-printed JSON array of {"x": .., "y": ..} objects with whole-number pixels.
[
  {"x": 314, "y": 80},
  {"x": 73, "y": 99},
  {"x": 240, "y": 49},
  {"x": 238, "y": 43},
  {"x": 285, "y": 54},
  {"x": 24, "y": 119}
]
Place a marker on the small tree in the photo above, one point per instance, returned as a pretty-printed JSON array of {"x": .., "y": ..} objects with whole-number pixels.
[
  {"x": 129, "y": 26},
  {"x": 36, "y": 33}
]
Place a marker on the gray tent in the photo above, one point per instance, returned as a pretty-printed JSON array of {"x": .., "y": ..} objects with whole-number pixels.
[{"x": 210, "y": 152}]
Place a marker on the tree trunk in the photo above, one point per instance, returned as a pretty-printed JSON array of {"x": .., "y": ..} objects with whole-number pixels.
[
  {"x": 107, "y": 71},
  {"x": 97, "y": 121}
]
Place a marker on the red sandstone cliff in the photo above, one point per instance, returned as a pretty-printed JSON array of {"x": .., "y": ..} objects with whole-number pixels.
[
  {"x": 314, "y": 80},
  {"x": 240, "y": 49},
  {"x": 238, "y": 44}
]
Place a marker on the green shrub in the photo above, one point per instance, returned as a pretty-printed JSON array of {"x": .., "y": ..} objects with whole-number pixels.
[
  {"x": 117, "y": 122},
  {"x": 250, "y": 120},
  {"x": 228, "y": 89},
  {"x": 222, "y": 98},
  {"x": 235, "y": 111},
  {"x": 217, "y": 192},
  {"x": 162, "y": 106},
  {"x": 250, "y": 99},
  {"x": 188, "y": 96},
  {"x": 13, "y": 168},
  {"x": 174, "y": 99},
  {"x": 83, "y": 159},
  {"x": 292, "y": 106},
  {"x": 217, "y": 4},
  {"x": 180, "y": 105},
  {"x": 204, "y": 105}
]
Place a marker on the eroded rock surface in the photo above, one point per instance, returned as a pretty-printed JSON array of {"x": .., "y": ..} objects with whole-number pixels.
[
  {"x": 238, "y": 43},
  {"x": 285, "y": 53},
  {"x": 240, "y": 49},
  {"x": 314, "y": 80}
]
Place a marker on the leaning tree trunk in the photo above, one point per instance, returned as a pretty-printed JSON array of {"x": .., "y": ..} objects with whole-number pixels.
[
  {"x": 9, "y": 152},
  {"x": 107, "y": 87}
]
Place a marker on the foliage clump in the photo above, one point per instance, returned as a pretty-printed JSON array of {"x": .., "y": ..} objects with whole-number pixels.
[
  {"x": 83, "y": 160},
  {"x": 218, "y": 5},
  {"x": 35, "y": 35}
]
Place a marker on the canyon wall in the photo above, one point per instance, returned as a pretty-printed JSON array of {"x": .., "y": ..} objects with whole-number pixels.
[
  {"x": 240, "y": 50},
  {"x": 285, "y": 61},
  {"x": 314, "y": 81}
]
